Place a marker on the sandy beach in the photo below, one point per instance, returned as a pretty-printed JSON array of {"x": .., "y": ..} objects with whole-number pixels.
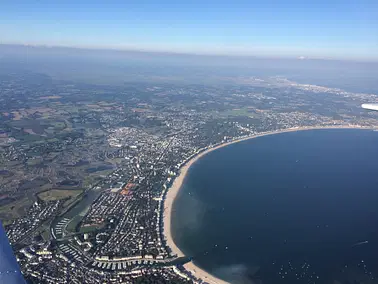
[
  {"x": 170, "y": 198},
  {"x": 174, "y": 189}
]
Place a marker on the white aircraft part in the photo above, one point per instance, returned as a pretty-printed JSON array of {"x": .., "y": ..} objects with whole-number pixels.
[{"x": 370, "y": 106}]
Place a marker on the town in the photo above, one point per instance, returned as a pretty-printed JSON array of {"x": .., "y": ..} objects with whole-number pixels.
[{"x": 86, "y": 169}]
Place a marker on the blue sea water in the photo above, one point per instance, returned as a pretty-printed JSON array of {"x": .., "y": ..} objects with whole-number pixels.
[{"x": 299, "y": 207}]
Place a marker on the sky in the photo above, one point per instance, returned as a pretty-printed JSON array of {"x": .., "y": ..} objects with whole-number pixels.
[{"x": 335, "y": 29}]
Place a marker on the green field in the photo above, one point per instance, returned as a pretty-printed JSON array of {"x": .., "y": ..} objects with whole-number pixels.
[
  {"x": 14, "y": 210},
  {"x": 57, "y": 194},
  {"x": 236, "y": 112}
]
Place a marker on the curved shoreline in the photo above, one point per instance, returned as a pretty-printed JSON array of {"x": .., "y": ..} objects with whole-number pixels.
[{"x": 175, "y": 188}]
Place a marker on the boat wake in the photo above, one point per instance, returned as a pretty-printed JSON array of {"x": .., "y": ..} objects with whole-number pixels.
[{"x": 360, "y": 243}]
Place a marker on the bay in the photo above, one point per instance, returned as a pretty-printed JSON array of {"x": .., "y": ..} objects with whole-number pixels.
[{"x": 297, "y": 207}]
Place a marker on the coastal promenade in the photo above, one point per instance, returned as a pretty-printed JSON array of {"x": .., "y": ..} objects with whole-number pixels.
[{"x": 174, "y": 190}]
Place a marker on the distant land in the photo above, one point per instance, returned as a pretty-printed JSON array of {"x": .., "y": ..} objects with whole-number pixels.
[{"x": 102, "y": 66}]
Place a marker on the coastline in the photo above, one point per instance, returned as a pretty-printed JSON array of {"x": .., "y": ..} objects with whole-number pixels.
[{"x": 175, "y": 188}]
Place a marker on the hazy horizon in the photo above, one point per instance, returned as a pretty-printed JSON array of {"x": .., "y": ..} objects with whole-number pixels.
[
  {"x": 118, "y": 67},
  {"x": 154, "y": 52},
  {"x": 334, "y": 29}
]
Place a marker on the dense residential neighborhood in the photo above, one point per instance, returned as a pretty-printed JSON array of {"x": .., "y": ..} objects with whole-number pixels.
[{"x": 86, "y": 168}]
